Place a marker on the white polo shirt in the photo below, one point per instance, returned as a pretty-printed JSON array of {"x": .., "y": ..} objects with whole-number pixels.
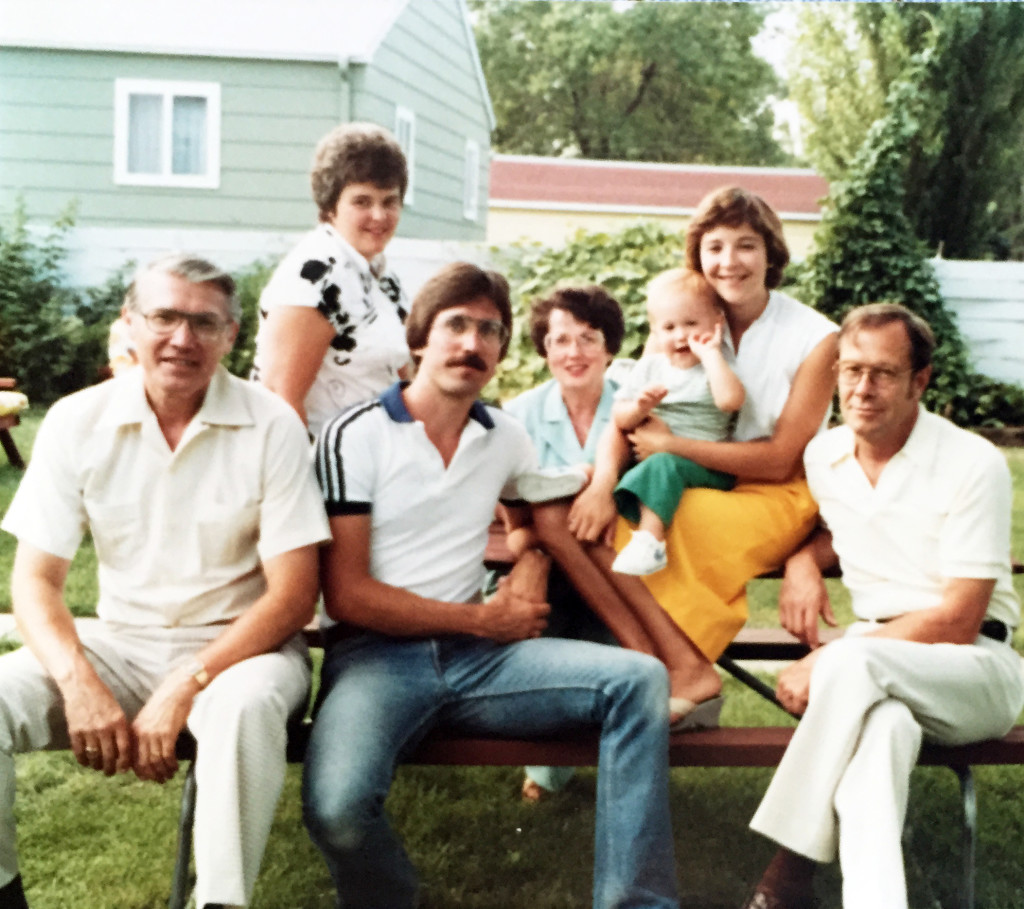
[
  {"x": 179, "y": 535},
  {"x": 365, "y": 306},
  {"x": 429, "y": 522},
  {"x": 940, "y": 510}
]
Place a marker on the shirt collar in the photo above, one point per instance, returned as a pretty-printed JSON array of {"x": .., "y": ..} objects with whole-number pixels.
[
  {"x": 922, "y": 441},
  {"x": 223, "y": 405},
  {"x": 767, "y": 315},
  {"x": 555, "y": 410},
  {"x": 394, "y": 406},
  {"x": 918, "y": 448},
  {"x": 375, "y": 267}
]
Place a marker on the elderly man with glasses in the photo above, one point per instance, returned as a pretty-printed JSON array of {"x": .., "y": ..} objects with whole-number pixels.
[
  {"x": 917, "y": 513},
  {"x": 197, "y": 490}
]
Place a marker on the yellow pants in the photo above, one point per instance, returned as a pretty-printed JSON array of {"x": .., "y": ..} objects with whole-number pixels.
[{"x": 717, "y": 542}]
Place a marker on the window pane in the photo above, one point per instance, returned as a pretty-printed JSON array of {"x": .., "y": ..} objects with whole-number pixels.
[
  {"x": 144, "y": 124},
  {"x": 188, "y": 151}
]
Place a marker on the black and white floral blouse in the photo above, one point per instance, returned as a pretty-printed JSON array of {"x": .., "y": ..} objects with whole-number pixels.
[{"x": 366, "y": 307}]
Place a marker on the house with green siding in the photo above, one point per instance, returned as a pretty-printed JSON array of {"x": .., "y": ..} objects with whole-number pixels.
[{"x": 190, "y": 124}]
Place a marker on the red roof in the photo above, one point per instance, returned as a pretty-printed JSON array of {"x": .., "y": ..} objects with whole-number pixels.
[{"x": 570, "y": 183}]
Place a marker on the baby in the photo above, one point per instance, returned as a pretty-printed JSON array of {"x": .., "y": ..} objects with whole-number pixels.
[{"x": 688, "y": 384}]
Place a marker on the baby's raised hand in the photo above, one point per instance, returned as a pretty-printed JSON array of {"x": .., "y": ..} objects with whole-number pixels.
[
  {"x": 701, "y": 344},
  {"x": 651, "y": 396}
]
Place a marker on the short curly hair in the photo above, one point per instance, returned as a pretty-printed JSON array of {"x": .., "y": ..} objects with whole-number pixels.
[
  {"x": 733, "y": 206},
  {"x": 355, "y": 153},
  {"x": 592, "y": 305}
]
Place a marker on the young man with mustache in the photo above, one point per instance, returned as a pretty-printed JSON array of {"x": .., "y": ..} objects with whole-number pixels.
[{"x": 411, "y": 480}]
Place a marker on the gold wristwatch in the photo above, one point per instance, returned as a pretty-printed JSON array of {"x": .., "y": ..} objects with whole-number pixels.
[{"x": 197, "y": 670}]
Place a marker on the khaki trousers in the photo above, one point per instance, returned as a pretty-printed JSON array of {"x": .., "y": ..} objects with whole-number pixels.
[{"x": 239, "y": 722}]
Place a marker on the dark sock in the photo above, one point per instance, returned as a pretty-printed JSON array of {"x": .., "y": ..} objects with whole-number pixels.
[
  {"x": 790, "y": 877},
  {"x": 12, "y": 896}
]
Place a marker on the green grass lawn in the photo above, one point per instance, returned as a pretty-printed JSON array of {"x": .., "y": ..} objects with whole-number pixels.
[{"x": 91, "y": 843}]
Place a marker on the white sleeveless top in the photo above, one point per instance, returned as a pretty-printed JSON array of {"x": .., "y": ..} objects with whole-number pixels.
[{"x": 771, "y": 351}]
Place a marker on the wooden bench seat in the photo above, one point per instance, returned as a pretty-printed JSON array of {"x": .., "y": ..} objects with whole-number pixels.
[
  {"x": 745, "y": 746},
  {"x": 739, "y": 746}
]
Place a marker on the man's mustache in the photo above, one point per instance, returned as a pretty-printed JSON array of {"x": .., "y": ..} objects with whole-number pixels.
[{"x": 472, "y": 360}]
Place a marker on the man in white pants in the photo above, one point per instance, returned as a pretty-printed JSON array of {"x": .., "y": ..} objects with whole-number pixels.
[
  {"x": 198, "y": 491},
  {"x": 917, "y": 512}
]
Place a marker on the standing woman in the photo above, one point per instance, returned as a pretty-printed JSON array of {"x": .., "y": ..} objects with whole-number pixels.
[
  {"x": 784, "y": 354},
  {"x": 331, "y": 317}
]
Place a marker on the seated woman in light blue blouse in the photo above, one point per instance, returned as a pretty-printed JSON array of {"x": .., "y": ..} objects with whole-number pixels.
[{"x": 577, "y": 330}]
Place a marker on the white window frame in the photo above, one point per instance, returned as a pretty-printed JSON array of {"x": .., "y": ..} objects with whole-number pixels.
[
  {"x": 405, "y": 133},
  {"x": 123, "y": 91},
  {"x": 471, "y": 181}
]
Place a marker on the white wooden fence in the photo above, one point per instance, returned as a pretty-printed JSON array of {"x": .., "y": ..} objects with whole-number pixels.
[{"x": 988, "y": 299}]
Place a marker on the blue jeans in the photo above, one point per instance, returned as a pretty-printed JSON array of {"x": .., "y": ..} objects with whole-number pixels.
[{"x": 380, "y": 696}]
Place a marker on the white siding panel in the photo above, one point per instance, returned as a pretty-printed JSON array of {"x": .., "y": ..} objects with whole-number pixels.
[
  {"x": 94, "y": 253},
  {"x": 988, "y": 299}
]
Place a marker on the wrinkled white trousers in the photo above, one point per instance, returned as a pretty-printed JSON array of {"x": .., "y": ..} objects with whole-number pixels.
[{"x": 842, "y": 783}]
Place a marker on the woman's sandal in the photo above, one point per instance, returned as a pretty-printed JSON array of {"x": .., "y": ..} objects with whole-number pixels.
[{"x": 690, "y": 715}]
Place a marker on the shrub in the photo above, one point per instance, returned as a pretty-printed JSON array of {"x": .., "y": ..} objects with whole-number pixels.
[
  {"x": 866, "y": 251},
  {"x": 250, "y": 282},
  {"x": 52, "y": 339}
]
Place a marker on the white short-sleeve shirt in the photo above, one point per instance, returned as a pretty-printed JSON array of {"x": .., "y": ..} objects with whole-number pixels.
[
  {"x": 180, "y": 535},
  {"x": 428, "y": 522},
  {"x": 771, "y": 351},
  {"x": 365, "y": 306},
  {"x": 940, "y": 510}
]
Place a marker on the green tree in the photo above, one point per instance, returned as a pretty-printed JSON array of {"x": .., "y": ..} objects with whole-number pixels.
[
  {"x": 963, "y": 179},
  {"x": 655, "y": 81},
  {"x": 866, "y": 251}
]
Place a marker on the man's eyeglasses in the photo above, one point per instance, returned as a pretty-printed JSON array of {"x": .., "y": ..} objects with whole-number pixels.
[
  {"x": 586, "y": 341},
  {"x": 879, "y": 376},
  {"x": 491, "y": 331},
  {"x": 204, "y": 325}
]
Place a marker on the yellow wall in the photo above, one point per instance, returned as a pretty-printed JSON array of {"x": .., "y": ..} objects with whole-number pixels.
[{"x": 553, "y": 228}]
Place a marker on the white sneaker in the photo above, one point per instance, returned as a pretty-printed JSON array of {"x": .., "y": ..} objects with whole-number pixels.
[
  {"x": 643, "y": 554},
  {"x": 548, "y": 483}
]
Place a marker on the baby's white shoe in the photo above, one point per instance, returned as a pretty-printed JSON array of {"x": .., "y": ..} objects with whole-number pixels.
[
  {"x": 549, "y": 483},
  {"x": 643, "y": 554}
]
